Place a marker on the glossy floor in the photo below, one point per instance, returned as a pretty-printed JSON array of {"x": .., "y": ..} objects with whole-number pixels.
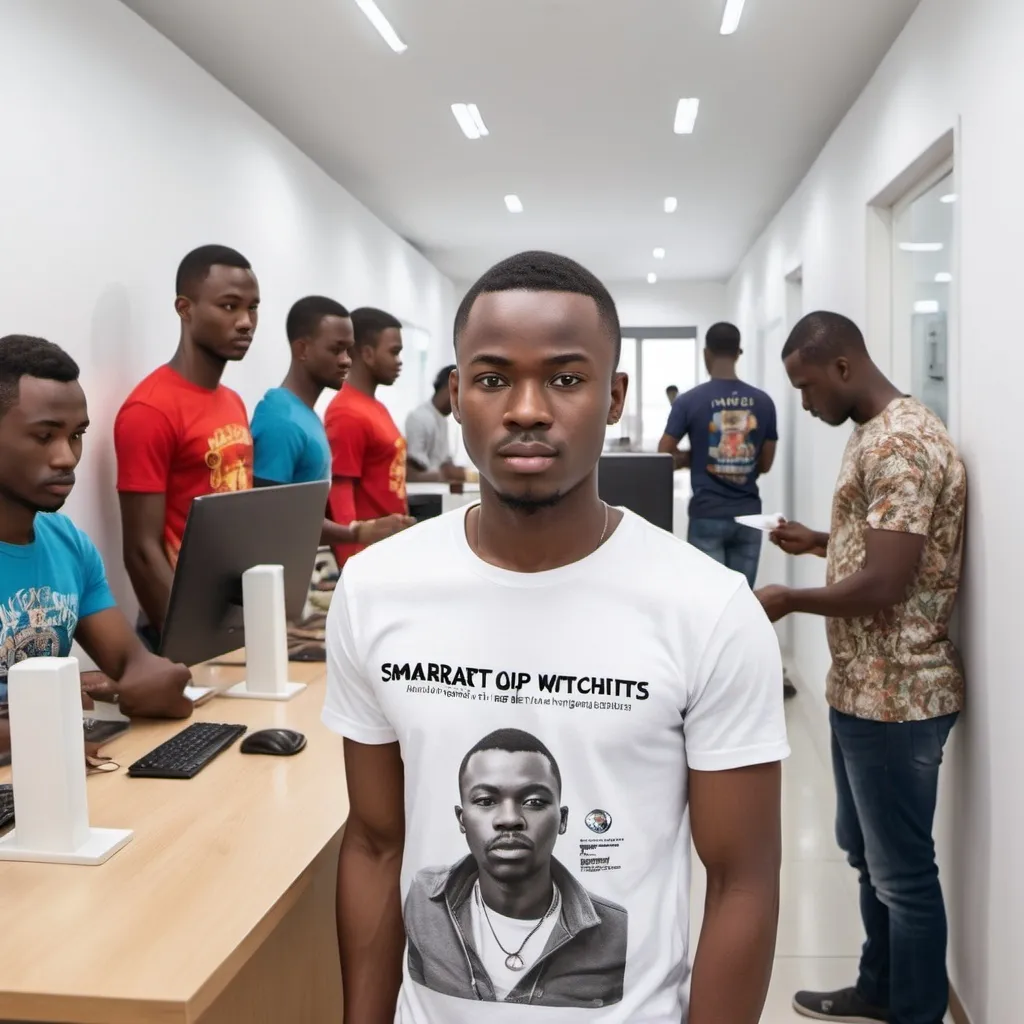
[{"x": 819, "y": 925}]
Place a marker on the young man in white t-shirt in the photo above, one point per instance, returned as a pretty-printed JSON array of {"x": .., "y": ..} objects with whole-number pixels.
[{"x": 560, "y": 673}]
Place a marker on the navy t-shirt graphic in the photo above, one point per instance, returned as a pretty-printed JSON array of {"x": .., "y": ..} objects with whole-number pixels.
[{"x": 727, "y": 423}]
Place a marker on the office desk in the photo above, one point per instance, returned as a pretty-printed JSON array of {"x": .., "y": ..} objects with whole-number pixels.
[{"x": 221, "y": 908}]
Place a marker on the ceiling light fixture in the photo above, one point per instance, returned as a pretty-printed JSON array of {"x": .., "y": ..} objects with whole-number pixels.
[
  {"x": 652, "y": 278},
  {"x": 382, "y": 25},
  {"x": 950, "y": 197},
  {"x": 470, "y": 121},
  {"x": 671, "y": 204},
  {"x": 921, "y": 246},
  {"x": 926, "y": 306},
  {"x": 943, "y": 277},
  {"x": 659, "y": 253},
  {"x": 514, "y": 204},
  {"x": 686, "y": 116},
  {"x": 732, "y": 15}
]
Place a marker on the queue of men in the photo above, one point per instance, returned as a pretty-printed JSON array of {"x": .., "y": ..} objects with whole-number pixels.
[{"x": 661, "y": 705}]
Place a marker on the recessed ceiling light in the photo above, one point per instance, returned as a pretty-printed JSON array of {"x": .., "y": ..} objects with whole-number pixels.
[
  {"x": 950, "y": 197},
  {"x": 671, "y": 204},
  {"x": 686, "y": 116},
  {"x": 514, "y": 204},
  {"x": 470, "y": 121},
  {"x": 659, "y": 253},
  {"x": 921, "y": 246},
  {"x": 943, "y": 277},
  {"x": 926, "y": 306},
  {"x": 652, "y": 278},
  {"x": 382, "y": 25},
  {"x": 731, "y": 17}
]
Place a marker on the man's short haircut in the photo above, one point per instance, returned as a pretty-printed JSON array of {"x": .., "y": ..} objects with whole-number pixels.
[
  {"x": 723, "y": 339},
  {"x": 441, "y": 380},
  {"x": 672, "y": 387},
  {"x": 368, "y": 325},
  {"x": 512, "y": 741},
  {"x": 25, "y": 356},
  {"x": 543, "y": 272},
  {"x": 195, "y": 268},
  {"x": 821, "y": 337},
  {"x": 305, "y": 316}
]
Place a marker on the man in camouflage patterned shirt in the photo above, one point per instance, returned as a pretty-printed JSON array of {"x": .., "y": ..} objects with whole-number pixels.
[{"x": 896, "y": 684}]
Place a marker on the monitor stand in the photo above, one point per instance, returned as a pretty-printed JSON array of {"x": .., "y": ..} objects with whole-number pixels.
[
  {"x": 51, "y": 823},
  {"x": 266, "y": 637}
]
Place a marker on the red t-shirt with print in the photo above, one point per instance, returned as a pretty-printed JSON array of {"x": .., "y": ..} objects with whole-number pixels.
[
  {"x": 367, "y": 448},
  {"x": 175, "y": 438}
]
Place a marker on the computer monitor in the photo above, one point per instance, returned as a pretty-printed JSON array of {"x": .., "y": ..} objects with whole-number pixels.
[
  {"x": 226, "y": 535},
  {"x": 425, "y": 506},
  {"x": 641, "y": 482}
]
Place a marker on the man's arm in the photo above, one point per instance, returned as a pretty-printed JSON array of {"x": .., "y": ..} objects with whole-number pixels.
[
  {"x": 890, "y": 564},
  {"x": 142, "y": 525},
  {"x": 371, "y": 936},
  {"x": 766, "y": 459},
  {"x": 736, "y": 821},
  {"x": 670, "y": 446},
  {"x": 146, "y": 686},
  {"x": 677, "y": 427}
]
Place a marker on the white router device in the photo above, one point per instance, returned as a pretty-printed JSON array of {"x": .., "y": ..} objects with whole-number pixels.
[
  {"x": 51, "y": 813},
  {"x": 266, "y": 637}
]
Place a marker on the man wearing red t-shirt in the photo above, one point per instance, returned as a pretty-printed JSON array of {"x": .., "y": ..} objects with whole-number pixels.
[
  {"x": 181, "y": 433},
  {"x": 367, "y": 449}
]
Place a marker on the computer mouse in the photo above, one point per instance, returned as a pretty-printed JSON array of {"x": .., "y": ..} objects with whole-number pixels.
[{"x": 273, "y": 741}]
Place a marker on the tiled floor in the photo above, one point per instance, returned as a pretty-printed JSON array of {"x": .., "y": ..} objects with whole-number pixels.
[{"x": 819, "y": 927}]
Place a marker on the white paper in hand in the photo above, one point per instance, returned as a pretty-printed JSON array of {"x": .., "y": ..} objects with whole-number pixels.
[{"x": 763, "y": 523}]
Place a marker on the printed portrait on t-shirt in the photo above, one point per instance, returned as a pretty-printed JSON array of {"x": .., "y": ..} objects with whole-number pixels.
[
  {"x": 508, "y": 922},
  {"x": 731, "y": 450}
]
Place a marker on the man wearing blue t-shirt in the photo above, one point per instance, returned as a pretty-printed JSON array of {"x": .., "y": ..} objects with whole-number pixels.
[
  {"x": 53, "y": 588},
  {"x": 289, "y": 439},
  {"x": 732, "y": 432}
]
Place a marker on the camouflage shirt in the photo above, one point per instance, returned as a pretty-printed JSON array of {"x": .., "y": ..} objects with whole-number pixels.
[{"x": 900, "y": 472}]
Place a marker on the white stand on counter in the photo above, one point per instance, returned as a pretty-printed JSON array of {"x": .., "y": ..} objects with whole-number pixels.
[
  {"x": 266, "y": 637},
  {"x": 51, "y": 813}
]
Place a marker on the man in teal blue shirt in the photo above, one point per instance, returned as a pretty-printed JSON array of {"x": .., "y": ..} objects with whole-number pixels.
[
  {"x": 288, "y": 436},
  {"x": 53, "y": 588}
]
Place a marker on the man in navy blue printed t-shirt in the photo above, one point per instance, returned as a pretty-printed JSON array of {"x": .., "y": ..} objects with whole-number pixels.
[{"x": 733, "y": 434}]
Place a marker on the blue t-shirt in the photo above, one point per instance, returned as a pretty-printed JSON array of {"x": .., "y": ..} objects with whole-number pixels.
[
  {"x": 289, "y": 440},
  {"x": 46, "y": 588},
  {"x": 727, "y": 423}
]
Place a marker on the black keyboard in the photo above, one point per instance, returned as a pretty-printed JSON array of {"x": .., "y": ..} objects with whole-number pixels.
[
  {"x": 187, "y": 753},
  {"x": 6, "y": 805}
]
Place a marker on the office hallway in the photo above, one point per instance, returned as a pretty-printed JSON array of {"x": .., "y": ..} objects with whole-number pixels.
[{"x": 819, "y": 924}]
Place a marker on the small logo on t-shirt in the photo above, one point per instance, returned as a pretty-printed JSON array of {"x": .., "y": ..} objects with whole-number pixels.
[{"x": 599, "y": 821}]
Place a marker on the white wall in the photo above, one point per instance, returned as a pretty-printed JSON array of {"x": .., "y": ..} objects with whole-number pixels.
[
  {"x": 957, "y": 59},
  {"x": 670, "y": 304},
  {"x": 119, "y": 155}
]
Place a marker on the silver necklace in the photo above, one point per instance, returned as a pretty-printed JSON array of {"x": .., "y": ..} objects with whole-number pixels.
[
  {"x": 513, "y": 959},
  {"x": 604, "y": 532}
]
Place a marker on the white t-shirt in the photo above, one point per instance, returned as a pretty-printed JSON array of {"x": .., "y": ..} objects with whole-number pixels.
[{"x": 586, "y": 692}]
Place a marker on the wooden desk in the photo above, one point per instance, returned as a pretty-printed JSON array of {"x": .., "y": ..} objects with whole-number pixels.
[{"x": 221, "y": 908}]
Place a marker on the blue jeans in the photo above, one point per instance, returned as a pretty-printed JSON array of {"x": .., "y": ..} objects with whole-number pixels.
[
  {"x": 887, "y": 777},
  {"x": 738, "y": 547}
]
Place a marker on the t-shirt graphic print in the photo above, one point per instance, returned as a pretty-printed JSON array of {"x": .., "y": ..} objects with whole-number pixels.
[
  {"x": 509, "y": 919},
  {"x": 547, "y": 722}
]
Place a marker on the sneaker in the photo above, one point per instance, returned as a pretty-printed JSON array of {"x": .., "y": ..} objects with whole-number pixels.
[{"x": 845, "y": 1006}]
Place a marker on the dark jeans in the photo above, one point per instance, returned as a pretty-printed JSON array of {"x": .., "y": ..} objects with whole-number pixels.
[
  {"x": 738, "y": 547},
  {"x": 887, "y": 777}
]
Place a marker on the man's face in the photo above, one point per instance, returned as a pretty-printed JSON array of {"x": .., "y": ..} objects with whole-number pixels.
[
  {"x": 444, "y": 401},
  {"x": 223, "y": 313},
  {"x": 824, "y": 387},
  {"x": 672, "y": 393},
  {"x": 327, "y": 355},
  {"x": 510, "y": 813},
  {"x": 384, "y": 359},
  {"x": 535, "y": 389},
  {"x": 41, "y": 443}
]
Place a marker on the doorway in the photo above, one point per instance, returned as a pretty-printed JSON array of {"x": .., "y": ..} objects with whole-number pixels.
[{"x": 655, "y": 358}]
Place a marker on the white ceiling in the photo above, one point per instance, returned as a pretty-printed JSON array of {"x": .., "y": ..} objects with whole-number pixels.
[{"x": 579, "y": 97}]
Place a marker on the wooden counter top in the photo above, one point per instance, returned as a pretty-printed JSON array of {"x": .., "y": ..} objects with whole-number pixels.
[{"x": 217, "y": 861}]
